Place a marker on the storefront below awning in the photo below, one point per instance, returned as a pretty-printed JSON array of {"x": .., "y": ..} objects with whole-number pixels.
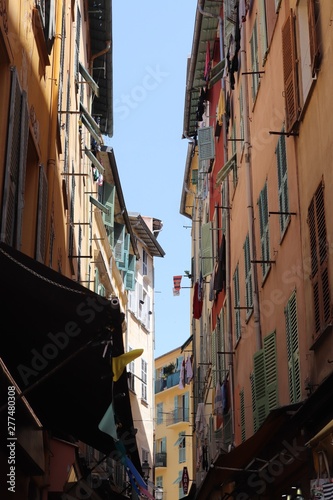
[{"x": 57, "y": 347}]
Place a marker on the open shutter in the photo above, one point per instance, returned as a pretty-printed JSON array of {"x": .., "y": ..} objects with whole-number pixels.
[
  {"x": 293, "y": 350},
  {"x": 119, "y": 240},
  {"x": 271, "y": 371},
  {"x": 130, "y": 273},
  {"x": 123, "y": 264},
  {"x": 313, "y": 39},
  {"x": 290, "y": 72},
  {"x": 41, "y": 216},
  {"x": 259, "y": 391},
  {"x": 206, "y": 143},
  {"x": 206, "y": 249}
]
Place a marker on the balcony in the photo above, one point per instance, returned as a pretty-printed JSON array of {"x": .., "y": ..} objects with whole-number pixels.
[
  {"x": 161, "y": 459},
  {"x": 167, "y": 382},
  {"x": 178, "y": 415}
]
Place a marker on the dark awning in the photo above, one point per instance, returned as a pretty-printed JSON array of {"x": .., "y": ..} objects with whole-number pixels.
[
  {"x": 255, "y": 453},
  {"x": 56, "y": 336}
]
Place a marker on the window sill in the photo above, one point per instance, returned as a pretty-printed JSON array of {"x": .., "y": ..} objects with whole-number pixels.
[
  {"x": 320, "y": 337},
  {"x": 144, "y": 403}
]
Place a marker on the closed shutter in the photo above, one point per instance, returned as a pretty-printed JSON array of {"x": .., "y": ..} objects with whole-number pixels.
[
  {"x": 14, "y": 161},
  {"x": 24, "y": 135},
  {"x": 242, "y": 415},
  {"x": 259, "y": 388},
  {"x": 237, "y": 325},
  {"x": 123, "y": 263},
  {"x": 271, "y": 371},
  {"x": 41, "y": 216},
  {"x": 206, "y": 249},
  {"x": 281, "y": 159},
  {"x": 319, "y": 261},
  {"x": 290, "y": 72}
]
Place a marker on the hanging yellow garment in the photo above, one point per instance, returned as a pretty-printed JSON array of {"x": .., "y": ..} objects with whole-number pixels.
[
  {"x": 119, "y": 363},
  {"x": 220, "y": 108}
]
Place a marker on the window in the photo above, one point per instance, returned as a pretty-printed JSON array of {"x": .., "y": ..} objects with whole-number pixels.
[
  {"x": 131, "y": 370},
  {"x": 254, "y": 60},
  {"x": 181, "y": 408},
  {"x": 144, "y": 371},
  {"x": 281, "y": 159},
  {"x": 264, "y": 231},
  {"x": 265, "y": 386},
  {"x": 248, "y": 278},
  {"x": 263, "y": 30},
  {"x": 319, "y": 261},
  {"x": 159, "y": 413},
  {"x": 293, "y": 350},
  {"x": 237, "y": 315}
]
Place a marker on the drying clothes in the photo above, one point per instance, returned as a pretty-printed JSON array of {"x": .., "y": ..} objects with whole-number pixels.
[
  {"x": 189, "y": 369},
  {"x": 181, "y": 384},
  {"x": 220, "y": 276},
  {"x": 197, "y": 302}
]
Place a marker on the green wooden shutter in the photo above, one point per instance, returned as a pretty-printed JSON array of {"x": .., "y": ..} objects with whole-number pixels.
[
  {"x": 264, "y": 229},
  {"x": 281, "y": 159},
  {"x": 24, "y": 135},
  {"x": 214, "y": 360},
  {"x": 130, "y": 273},
  {"x": 259, "y": 387},
  {"x": 123, "y": 264},
  {"x": 271, "y": 379},
  {"x": 119, "y": 242},
  {"x": 293, "y": 350},
  {"x": 206, "y": 249},
  {"x": 108, "y": 201}
]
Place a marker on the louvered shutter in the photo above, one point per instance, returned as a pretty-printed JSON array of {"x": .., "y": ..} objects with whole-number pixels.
[
  {"x": 237, "y": 304},
  {"x": 119, "y": 242},
  {"x": 271, "y": 371},
  {"x": 24, "y": 135},
  {"x": 206, "y": 143},
  {"x": 290, "y": 72},
  {"x": 264, "y": 229},
  {"x": 313, "y": 39},
  {"x": 259, "y": 389},
  {"x": 123, "y": 264},
  {"x": 248, "y": 277},
  {"x": 319, "y": 261},
  {"x": 206, "y": 249},
  {"x": 214, "y": 358},
  {"x": 12, "y": 163},
  {"x": 293, "y": 350},
  {"x": 130, "y": 273},
  {"x": 41, "y": 216},
  {"x": 242, "y": 415}
]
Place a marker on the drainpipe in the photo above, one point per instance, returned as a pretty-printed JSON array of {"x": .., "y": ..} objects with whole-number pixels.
[
  {"x": 227, "y": 212},
  {"x": 101, "y": 53},
  {"x": 249, "y": 192}
]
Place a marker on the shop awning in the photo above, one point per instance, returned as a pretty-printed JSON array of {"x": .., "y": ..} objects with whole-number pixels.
[
  {"x": 253, "y": 454},
  {"x": 55, "y": 349},
  {"x": 322, "y": 434}
]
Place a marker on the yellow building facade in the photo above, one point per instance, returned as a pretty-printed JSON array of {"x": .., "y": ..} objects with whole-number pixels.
[{"x": 174, "y": 422}]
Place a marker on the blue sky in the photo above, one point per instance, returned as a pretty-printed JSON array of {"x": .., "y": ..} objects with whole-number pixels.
[{"x": 151, "y": 43}]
